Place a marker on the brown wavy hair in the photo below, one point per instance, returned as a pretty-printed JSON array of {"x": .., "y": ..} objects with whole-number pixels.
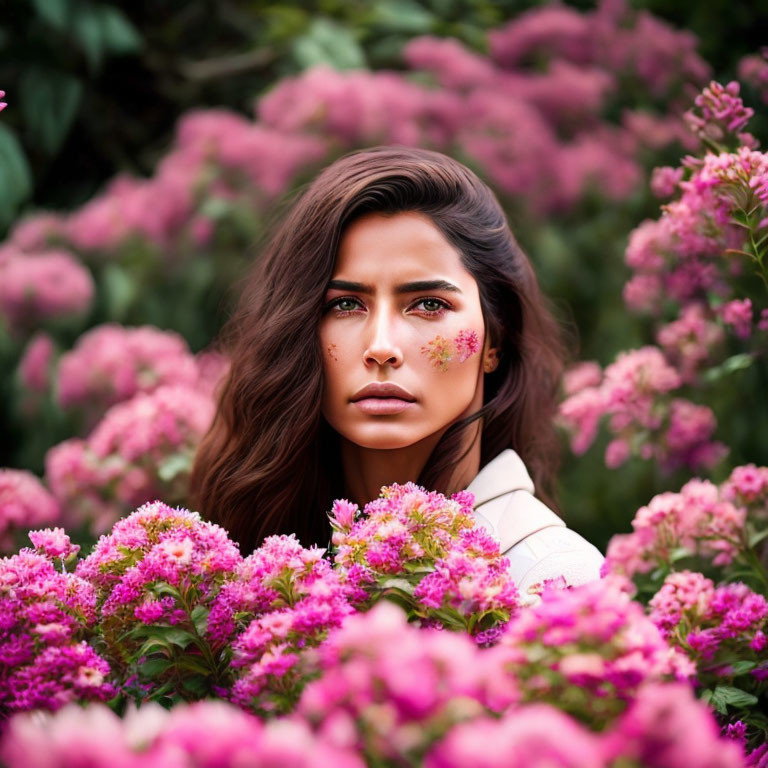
[{"x": 270, "y": 463}]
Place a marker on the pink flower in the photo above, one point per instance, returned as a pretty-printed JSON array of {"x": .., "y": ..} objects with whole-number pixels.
[
  {"x": 24, "y": 504},
  {"x": 35, "y": 365},
  {"x": 738, "y": 313},
  {"x": 43, "y": 286},
  {"x": 664, "y": 181}
]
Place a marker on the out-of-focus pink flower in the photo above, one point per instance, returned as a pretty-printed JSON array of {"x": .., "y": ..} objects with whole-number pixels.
[
  {"x": 43, "y": 286},
  {"x": 664, "y": 180},
  {"x": 700, "y": 519},
  {"x": 738, "y": 314},
  {"x": 112, "y": 363},
  {"x": 587, "y": 373},
  {"x": 667, "y": 727},
  {"x": 24, "y": 503},
  {"x": 142, "y": 449},
  {"x": 535, "y": 735},
  {"x": 754, "y": 70},
  {"x": 35, "y": 364}
]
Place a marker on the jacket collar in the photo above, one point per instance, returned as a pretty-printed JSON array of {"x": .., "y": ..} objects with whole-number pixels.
[{"x": 500, "y": 476}]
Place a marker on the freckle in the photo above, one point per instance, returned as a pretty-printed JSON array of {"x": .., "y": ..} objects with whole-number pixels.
[{"x": 332, "y": 352}]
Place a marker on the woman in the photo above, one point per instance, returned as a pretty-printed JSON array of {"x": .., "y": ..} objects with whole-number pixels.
[{"x": 393, "y": 330}]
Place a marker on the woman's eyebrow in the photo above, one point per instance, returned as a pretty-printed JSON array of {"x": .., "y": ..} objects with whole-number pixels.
[{"x": 413, "y": 287}]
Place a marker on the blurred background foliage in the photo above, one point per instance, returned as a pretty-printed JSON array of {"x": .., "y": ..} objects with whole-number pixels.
[{"x": 96, "y": 89}]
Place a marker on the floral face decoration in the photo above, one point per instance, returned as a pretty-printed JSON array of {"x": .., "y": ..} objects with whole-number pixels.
[{"x": 440, "y": 351}]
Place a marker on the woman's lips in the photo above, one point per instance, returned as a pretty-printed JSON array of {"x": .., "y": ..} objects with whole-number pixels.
[{"x": 382, "y": 406}]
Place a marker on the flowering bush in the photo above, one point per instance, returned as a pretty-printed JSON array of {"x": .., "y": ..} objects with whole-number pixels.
[
  {"x": 45, "y": 658},
  {"x": 142, "y": 449},
  {"x": 280, "y": 602},
  {"x": 423, "y": 550},
  {"x": 203, "y": 734},
  {"x": 721, "y": 623},
  {"x": 155, "y": 576},
  {"x": 642, "y": 417},
  {"x": 587, "y": 650}
]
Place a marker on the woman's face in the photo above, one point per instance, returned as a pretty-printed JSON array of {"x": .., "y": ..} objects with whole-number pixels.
[{"x": 427, "y": 339}]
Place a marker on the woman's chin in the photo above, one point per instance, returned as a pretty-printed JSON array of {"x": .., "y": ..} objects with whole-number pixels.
[{"x": 386, "y": 437}]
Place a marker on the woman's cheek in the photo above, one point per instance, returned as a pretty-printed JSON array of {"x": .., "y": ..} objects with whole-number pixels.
[
  {"x": 332, "y": 351},
  {"x": 441, "y": 351}
]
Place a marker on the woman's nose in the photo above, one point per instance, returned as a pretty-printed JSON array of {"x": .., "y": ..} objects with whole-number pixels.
[{"x": 383, "y": 346}]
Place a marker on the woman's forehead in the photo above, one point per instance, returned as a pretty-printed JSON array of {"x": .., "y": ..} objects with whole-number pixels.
[{"x": 397, "y": 248}]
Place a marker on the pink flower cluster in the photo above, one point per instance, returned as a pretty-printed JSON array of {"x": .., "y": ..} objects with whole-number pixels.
[
  {"x": 448, "y": 570},
  {"x": 111, "y": 363},
  {"x": 634, "y": 395},
  {"x": 698, "y": 520},
  {"x": 280, "y": 602},
  {"x": 206, "y": 734},
  {"x": 24, "y": 504},
  {"x": 40, "y": 288},
  {"x": 142, "y": 449},
  {"x": 748, "y": 486},
  {"x": 158, "y": 544},
  {"x": 587, "y": 650},
  {"x": 691, "y": 341},
  {"x": 45, "y": 659},
  {"x": 719, "y": 112},
  {"x": 159, "y": 567},
  {"x": 754, "y": 70},
  {"x": 694, "y": 253},
  {"x": 540, "y": 133},
  {"x": 663, "y": 727},
  {"x": 389, "y": 689},
  {"x": 713, "y": 625}
]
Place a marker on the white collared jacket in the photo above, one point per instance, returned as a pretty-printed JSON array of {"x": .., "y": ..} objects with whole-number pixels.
[{"x": 536, "y": 541}]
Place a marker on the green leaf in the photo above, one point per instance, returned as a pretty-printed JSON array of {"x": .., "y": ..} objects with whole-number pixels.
[
  {"x": 179, "y": 637},
  {"x": 15, "y": 175},
  {"x": 731, "y": 365},
  {"x": 153, "y": 644},
  {"x": 403, "y": 16},
  {"x": 120, "y": 36},
  {"x": 49, "y": 103},
  {"x": 195, "y": 685},
  {"x": 173, "y": 465},
  {"x": 199, "y": 618},
  {"x": 329, "y": 43},
  {"x": 726, "y": 695},
  {"x": 102, "y": 29},
  {"x": 154, "y": 667},
  {"x": 55, "y": 12},
  {"x": 757, "y": 537},
  {"x": 741, "y": 667},
  {"x": 120, "y": 291}
]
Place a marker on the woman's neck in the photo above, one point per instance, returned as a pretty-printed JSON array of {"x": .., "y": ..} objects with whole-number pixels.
[{"x": 366, "y": 470}]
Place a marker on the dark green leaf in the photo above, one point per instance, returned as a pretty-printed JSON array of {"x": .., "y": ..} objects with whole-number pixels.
[
  {"x": 726, "y": 695},
  {"x": 741, "y": 667},
  {"x": 49, "y": 103},
  {"x": 154, "y": 667},
  {"x": 403, "y": 16},
  {"x": 119, "y": 35},
  {"x": 329, "y": 43},
  {"x": 199, "y": 618},
  {"x": 54, "y": 12},
  {"x": 15, "y": 175}
]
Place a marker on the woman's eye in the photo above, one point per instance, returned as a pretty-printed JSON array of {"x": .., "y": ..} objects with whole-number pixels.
[
  {"x": 433, "y": 306},
  {"x": 349, "y": 302}
]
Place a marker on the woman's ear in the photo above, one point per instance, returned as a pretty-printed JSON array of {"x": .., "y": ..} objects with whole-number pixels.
[{"x": 490, "y": 360}]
